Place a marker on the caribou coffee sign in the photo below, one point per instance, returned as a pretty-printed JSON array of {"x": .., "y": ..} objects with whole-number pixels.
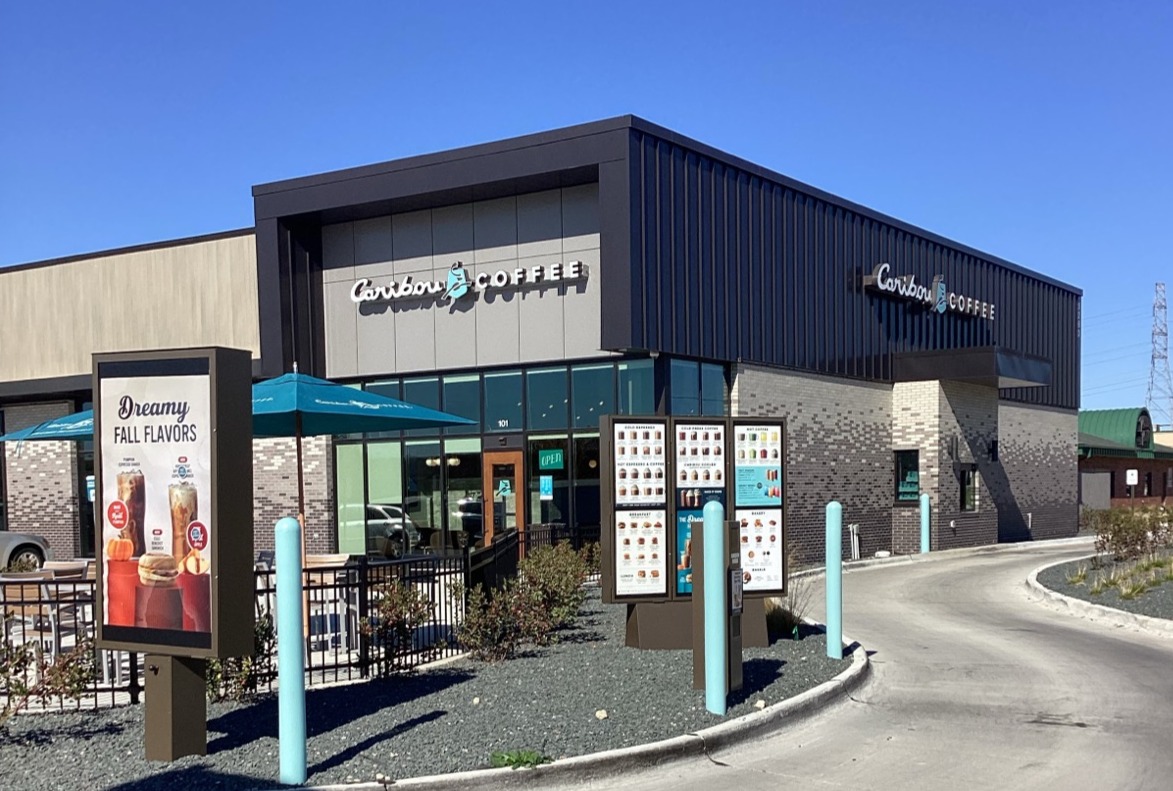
[
  {"x": 461, "y": 283},
  {"x": 936, "y": 297}
]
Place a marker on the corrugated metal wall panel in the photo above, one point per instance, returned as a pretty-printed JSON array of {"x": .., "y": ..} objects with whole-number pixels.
[{"x": 732, "y": 266}]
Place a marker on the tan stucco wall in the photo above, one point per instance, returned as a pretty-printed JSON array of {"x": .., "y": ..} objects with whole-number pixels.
[{"x": 199, "y": 293}]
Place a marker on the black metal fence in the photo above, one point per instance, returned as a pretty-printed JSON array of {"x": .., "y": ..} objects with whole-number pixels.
[{"x": 342, "y": 605}]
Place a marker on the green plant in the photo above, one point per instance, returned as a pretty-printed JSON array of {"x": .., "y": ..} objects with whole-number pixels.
[
  {"x": 518, "y": 759},
  {"x": 1077, "y": 577},
  {"x": 554, "y": 577},
  {"x": 1098, "y": 586},
  {"x": 237, "y": 678},
  {"x": 26, "y": 674},
  {"x": 1131, "y": 588},
  {"x": 22, "y": 564},
  {"x": 1129, "y": 533},
  {"x": 787, "y": 613},
  {"x": 592, "y": 556},
  {"x": 489, "y": 631},
  {"x": 399, "y": 610}
]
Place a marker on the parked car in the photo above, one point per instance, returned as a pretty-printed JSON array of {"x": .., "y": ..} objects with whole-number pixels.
[
  {"x": 470, "y": 512},
  {"x": 23, "y": 548},
  {"x": 390, "y": 531}
]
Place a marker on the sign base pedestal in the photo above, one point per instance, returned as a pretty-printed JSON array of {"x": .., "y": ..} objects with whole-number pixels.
[{"x": 176, "y": 707}]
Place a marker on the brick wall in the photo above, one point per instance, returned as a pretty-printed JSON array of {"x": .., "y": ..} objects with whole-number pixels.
[
  {"x": 969, "y": 422},
  {"x": 42, "y": 484},
  {"x": 1037, "y": 493},
  {"x": 839, "y": 440},
  {"x": 916, "y": 425},
  {"x": 275, "y": 490}
]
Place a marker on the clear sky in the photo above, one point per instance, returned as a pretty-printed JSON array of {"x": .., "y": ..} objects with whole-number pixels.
[{"x": 1041, "y": 132}]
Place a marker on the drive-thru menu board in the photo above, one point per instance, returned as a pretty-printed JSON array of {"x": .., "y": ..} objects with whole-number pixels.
[
  {"x": 663, "y": 473},
  {"x": 758, "y": 501},
  {"x": 640, "y": 536}
]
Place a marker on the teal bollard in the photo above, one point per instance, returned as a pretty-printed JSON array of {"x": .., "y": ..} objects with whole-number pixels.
[
  {"x": 716, "y": 647},
  {"x": 834, "y": 580},
  {"x": 290, "y": 656},
  {"x": 924, "y": 524}
]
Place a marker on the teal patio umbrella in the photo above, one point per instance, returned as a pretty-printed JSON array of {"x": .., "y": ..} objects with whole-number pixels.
[
  {"x": 79, "y": 425},
  {"x": 296, "y": 405}
]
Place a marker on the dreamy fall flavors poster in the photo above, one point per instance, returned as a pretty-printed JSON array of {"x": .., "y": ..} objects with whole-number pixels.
[{"x": 156, "y": 463}]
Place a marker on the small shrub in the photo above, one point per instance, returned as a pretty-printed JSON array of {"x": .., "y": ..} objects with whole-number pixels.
[
  {"x": 785, "y": 614},
  {"x": 21, "y": 565},
  {"x": 555, "y": 577},
  {"x": 1098, "y": 586},
  {"x": 489, "y": 632},
  {"x": 237, "y": 678},
  {"x": 1077, "y": 577},
  {"x": 26, "y": 674},
  {"x": 1130, "y": 533},
  {"x": 399, "y": 610},
  {"x": 518, "y": 759},
  {"x": 1131, "y": 588},
  {"x": 592, "y": 556}
]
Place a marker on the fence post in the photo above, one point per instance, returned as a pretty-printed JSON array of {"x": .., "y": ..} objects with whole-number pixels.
[
  {"x": 135, "y": 688},
  {"x": 364, "y": 642}
]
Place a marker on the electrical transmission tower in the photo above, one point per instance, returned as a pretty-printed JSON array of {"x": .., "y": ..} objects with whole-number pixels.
[{"x": 1160, "y": 398}]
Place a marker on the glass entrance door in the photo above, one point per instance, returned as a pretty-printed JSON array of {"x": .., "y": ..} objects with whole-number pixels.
[{"x": 504, "y": 495}]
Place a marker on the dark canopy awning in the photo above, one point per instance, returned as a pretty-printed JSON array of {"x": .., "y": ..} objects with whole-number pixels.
[{"x": 988, "y": 365}]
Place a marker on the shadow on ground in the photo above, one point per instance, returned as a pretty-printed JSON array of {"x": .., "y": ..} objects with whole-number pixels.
[{"x": 327, "y": 709}]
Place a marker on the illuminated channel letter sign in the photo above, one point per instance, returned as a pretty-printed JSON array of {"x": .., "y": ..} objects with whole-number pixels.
[
  {"x": 936, "y": 297},
  {"x": 460, "y": 283}
]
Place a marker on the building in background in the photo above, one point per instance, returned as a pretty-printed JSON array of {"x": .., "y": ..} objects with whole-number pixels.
[
  {"x": 537, "y": 283},
  {"x": 1114, "y": 441}
]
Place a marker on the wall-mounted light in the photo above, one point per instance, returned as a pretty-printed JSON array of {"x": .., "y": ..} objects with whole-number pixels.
[{"x": 992, "y": 447}]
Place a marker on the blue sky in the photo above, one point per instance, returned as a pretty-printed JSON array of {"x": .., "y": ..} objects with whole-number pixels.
[{"x": 1040, "y": 132}]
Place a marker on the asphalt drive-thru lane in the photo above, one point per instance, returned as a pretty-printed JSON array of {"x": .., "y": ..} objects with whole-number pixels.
[{"x": 975, "y": 686}]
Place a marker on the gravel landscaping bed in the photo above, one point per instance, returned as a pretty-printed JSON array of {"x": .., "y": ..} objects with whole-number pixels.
[
  {"x": 446, "y": 719},
  {"x": 1155, "y": 603}
]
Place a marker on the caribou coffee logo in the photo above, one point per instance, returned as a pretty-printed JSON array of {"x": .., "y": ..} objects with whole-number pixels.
[
  {"x": 460, "y": 283},
  {"x": 936, "y": 297}
]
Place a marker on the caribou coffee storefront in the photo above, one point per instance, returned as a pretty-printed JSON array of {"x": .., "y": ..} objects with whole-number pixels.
[{"x": 537, "y": 284}]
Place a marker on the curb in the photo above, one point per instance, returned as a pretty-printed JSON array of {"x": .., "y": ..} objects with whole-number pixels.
[
  {"x": 945, "y": 554},
  {"x": 1110, "y": 616},
  {"x": 583, "y": 768}
]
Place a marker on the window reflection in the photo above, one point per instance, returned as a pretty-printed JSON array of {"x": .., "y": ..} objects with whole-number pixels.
[
  {"x": 637, "y": 391},
  {"x": 547, "y": 398},
  {"x": 593, "y": 394},
  {"x": 462, "y": 397},
  {"x": 503, "y": 401}
]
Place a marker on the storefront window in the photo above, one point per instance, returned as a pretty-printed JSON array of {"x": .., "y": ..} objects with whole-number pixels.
[
  {"x": 593, "y": 389},
  {"x": 637, "y": 388},
  {"x": 713, "y": 390},
  {"x": 423, "y": 392},
  {"x": 586, "y": 480},
  {"x": 685, "y": 383},
  {"x": 423, "y": 492},
  {"x": 462, "y": 396},
  {"x": 385, "y": 473},
  {"x": 503, "y": 401},
  {"x": 348, "y": 466},
  {"x": 388, "y": 388},
  {"x": 462, "y": 463},
  {"x": 548, "y": 456},
  {"x": 547, "y": 399},
  {"x": 907, "y": 476},
  {"x": 969, "y": 488}
]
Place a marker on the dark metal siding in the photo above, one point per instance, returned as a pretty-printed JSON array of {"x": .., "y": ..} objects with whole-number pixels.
[{"x": 728, "y": 265}]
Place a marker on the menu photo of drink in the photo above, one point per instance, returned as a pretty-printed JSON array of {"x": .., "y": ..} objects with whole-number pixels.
[
  {"x": 762, "y": 548},
  {"x": 640, "y": 553},
  {"x": 640, "y": 464},
  {"x": 155, "y": 455},
  {"x": 758, "y": 464},
  {"x": 700, "y": 455}
]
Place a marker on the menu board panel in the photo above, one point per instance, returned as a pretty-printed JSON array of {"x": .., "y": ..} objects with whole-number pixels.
[
  {"x": 640, "y": 468},
  {"x": 700, "y": 455},
  {"x": 763, "y": 548},
  {"x": 640, "y": 553},
  {"x": 758, "y": 465}
]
